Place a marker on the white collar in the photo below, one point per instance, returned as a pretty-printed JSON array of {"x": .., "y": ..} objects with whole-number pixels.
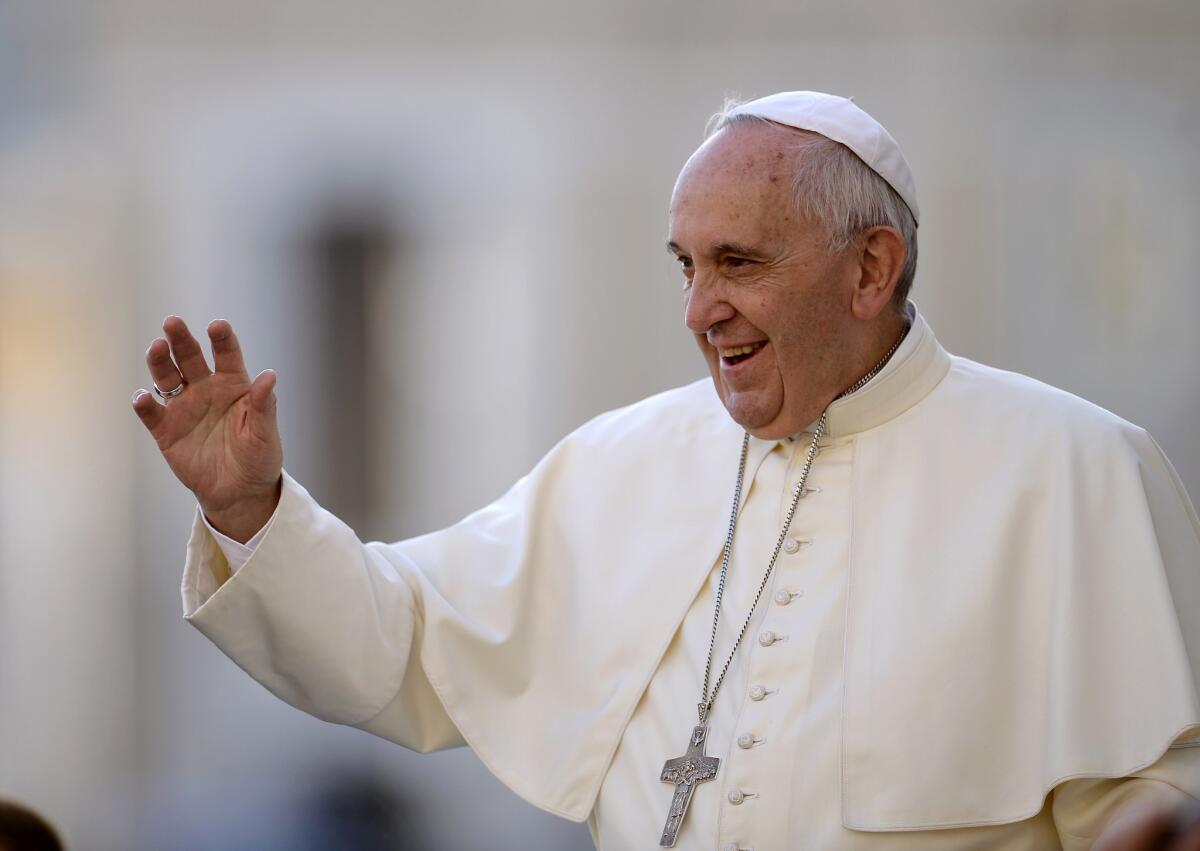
[{"x": 918, "y": 365}]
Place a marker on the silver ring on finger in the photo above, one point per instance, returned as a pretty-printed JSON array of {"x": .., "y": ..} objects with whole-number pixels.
[{"x": 164, "y": 395}]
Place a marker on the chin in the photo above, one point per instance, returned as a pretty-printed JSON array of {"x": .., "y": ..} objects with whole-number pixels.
[
  {"x": 770, "y": 431},
  {"x": 752, "y": 415}
]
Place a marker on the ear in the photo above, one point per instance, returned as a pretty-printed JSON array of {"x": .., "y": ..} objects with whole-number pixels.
[{"x": 881, "y": 260}]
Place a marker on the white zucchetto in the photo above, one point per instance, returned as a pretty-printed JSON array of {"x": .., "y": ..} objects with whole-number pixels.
[{"x": 839, "y": 119}]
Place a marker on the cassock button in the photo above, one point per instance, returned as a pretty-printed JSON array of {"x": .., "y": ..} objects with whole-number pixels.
[
  {"x": 745, "y": 741},
  {"x": 757, "y": 692},
  {"x": 735, "y": 796},
  {"x": 791, "y": 546},
  {"x": 783, "y": 597},
  {"x": 767, "y": 638}
]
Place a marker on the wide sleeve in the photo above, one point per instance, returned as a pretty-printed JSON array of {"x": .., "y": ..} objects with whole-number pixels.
[
  {"x": 324, "y": 622},
  {"x": 528, "y": 630}
]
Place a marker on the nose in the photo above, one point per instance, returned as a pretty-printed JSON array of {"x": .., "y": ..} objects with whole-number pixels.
[{"x": 706, "y": 306}]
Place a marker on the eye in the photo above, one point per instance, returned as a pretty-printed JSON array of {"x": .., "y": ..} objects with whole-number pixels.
[
  {"x": 737, "y": 262},
  {"x": 685, "y": 263}
]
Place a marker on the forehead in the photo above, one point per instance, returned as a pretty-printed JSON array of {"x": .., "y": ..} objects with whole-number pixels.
[{"x": 737, "y": 186}]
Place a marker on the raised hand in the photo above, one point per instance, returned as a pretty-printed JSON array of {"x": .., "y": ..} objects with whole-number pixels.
[{"x": 219, "y": 434}]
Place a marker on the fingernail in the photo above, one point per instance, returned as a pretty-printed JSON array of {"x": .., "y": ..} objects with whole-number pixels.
[{"x": 137, "y": 394}]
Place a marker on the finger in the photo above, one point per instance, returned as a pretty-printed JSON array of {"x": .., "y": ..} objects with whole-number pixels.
[
  {"x": 262, "y": 395},
  {"x": 227, "y": 352},
  {"x": 162, "y": 369},
  {"x": 263, "y": 404},
  {"x": 187, "y": 352},
  {"x": 149, "y": 412}
]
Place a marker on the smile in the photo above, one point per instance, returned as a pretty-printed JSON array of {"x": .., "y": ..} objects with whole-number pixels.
[{"x": 737, "y": 354}]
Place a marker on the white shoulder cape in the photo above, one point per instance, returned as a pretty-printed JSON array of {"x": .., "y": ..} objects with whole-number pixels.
[{"x": 1023, "y": 608}]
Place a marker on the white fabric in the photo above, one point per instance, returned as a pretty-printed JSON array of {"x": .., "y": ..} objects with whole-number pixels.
[
  {"x": 1020, "y": 572},
  {"x": 236, "y": 553},
  {"x": 792, "y": 764},
  {"x": 841, "y": 120},
  {"x": 794, "y": 748}
]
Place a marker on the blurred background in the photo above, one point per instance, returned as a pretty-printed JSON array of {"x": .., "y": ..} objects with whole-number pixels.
[{"x": 443, "y": 224}]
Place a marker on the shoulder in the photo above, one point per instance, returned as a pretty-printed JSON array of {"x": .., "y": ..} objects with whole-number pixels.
[
  {"x": 679, "y": 415},
  {"x": 673, "y": 433},
  {"x": 1031, "y": 409},
  {"x": 681, "y": 441}
]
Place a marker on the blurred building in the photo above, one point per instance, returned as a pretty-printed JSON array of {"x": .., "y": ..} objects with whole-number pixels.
[{"x": 443, "y": 225}]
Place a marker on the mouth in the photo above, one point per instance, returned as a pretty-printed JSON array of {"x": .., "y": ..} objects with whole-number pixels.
[{"x": 739, "y": 354}]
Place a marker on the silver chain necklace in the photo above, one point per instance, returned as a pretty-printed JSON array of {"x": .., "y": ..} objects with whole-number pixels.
[
  {"x": 695, "y": 766},
  {"x": 707, "y": 698}
]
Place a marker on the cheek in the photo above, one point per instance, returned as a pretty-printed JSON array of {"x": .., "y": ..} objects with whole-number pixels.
[{"x": 791, "y": 325}]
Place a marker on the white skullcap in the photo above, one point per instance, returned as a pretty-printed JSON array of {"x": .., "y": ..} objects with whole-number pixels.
[{"x": 840, "y": 120}]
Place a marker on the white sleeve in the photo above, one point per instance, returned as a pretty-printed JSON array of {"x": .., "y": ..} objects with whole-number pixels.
[
  {"x": 323, "y": 621},
  {"x": 237, "y": 553}
]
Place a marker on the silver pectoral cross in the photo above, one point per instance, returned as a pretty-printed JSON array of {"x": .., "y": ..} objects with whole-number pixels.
[{"x": 685, "y": 772}]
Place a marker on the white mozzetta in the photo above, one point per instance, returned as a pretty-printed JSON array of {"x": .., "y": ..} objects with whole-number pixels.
[
  {"x": 776, "y": 723},
  {"x": 1018, "y": 572}
]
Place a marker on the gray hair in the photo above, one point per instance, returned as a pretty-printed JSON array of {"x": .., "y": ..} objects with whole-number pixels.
[{"x": 836, "y": 188}]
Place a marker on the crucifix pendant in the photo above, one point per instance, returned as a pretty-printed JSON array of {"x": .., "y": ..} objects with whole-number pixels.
[{"x": 685, "y": 772}]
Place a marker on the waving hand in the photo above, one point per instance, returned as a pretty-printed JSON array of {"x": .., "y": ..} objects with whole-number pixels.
[{"x": 218, "y": 433}]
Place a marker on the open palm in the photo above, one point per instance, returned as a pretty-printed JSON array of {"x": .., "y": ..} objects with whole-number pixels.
[{"x": 219, "y": 434}]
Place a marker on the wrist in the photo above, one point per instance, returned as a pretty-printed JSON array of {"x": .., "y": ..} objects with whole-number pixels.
[{"x": 243, "y": 519}]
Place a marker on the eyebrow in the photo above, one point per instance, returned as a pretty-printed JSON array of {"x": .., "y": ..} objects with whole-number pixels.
[{"x": 722, "y": 248}]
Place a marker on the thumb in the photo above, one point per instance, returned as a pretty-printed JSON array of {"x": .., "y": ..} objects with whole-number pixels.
[{"x": 262, "y": 393}]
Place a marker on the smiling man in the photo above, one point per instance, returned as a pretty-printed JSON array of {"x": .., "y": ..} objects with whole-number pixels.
[
  {"x": 787, "y": 309},
  {"x": 949, "y": 608}
]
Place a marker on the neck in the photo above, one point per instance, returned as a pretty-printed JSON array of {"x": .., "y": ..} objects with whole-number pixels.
[{"x": 876, "y": 355}]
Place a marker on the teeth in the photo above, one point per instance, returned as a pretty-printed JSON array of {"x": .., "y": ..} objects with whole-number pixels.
[{"x": 737, "y": 350}]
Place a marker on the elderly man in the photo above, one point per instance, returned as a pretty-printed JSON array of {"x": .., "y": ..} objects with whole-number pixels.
[{"x": 949, "y": 608}]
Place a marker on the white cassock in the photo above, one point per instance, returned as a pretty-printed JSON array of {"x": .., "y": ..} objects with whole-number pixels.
[{"x": 988, "y": 606}]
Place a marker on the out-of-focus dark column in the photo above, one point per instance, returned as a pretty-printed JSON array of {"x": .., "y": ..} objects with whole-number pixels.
[{"x": 350, "y": 250}]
